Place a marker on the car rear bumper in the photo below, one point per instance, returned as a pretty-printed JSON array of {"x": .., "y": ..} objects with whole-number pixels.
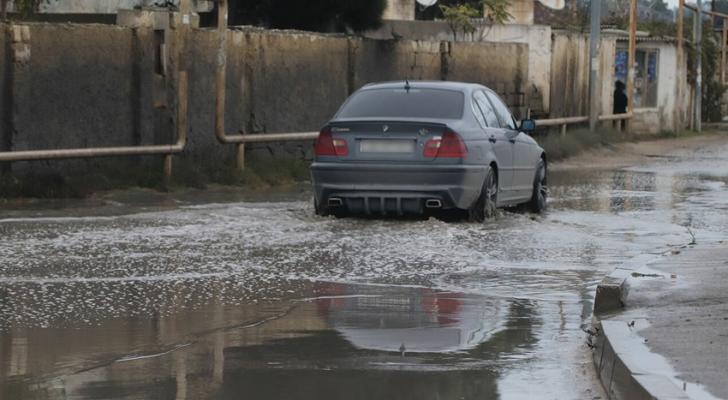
[{"x": 396, "y": 189}]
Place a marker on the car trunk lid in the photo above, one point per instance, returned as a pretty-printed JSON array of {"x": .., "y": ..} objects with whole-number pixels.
[{"x": 393, "y": 141}]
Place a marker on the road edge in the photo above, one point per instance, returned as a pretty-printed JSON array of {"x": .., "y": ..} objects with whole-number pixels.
[{"x": 613, "y": 348}]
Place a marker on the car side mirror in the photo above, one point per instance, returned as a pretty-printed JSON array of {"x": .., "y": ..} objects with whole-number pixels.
[{"x": 528, "y": 125}]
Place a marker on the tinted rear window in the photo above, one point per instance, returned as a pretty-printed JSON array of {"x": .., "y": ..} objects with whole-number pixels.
[{"x": 415, "y": 103}]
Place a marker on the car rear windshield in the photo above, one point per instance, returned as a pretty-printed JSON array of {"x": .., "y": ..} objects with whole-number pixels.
[{"x": 412, "y": 103}]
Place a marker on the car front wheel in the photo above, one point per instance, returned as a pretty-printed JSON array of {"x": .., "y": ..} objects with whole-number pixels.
[{"x": 537, "y": 204}]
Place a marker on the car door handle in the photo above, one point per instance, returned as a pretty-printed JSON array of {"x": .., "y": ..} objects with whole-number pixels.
[{"x": 492, "y": 139}]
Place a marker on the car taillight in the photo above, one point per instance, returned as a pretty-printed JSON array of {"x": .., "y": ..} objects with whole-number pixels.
[
  {"x": 327, "y": 145},
  {"x": 449, "y": 145}
]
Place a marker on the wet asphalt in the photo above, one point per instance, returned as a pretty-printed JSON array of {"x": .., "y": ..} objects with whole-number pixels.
[{"x": 224, "y": 295}]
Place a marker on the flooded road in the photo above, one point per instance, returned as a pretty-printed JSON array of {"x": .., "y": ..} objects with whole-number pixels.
[{"x": 217, "y": 296}]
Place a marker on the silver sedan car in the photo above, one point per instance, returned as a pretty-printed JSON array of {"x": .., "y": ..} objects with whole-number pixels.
[{"x": 401, "y": 148}]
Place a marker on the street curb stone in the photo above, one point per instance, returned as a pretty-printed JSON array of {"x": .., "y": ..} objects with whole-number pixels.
[
  {"x": 619, "y": 372},
  {"x": 612, "y": 292}
]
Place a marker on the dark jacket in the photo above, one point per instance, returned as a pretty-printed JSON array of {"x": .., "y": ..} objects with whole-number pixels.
[{"x": 620, "y": 102}]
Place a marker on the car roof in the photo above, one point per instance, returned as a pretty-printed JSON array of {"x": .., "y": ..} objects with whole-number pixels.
[{"x": 448, "y": 85}]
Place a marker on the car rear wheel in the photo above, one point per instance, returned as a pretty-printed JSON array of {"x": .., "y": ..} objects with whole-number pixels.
[
  {"x": 322, "y": 211},
  {"x": 485, "y": 207},
  {"x": 540, "y": 190}
]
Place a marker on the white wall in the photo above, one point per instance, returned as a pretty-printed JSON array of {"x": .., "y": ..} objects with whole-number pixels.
[{"x": 671, "y": 104}]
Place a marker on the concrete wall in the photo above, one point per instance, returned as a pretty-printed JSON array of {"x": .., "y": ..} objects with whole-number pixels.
[
  {"x": 100, "y": 85},
  {"x": 521, "y": 12},
  {"x": 78, "y": 94},
  {"x": 104, "y": 6},
  {"x": 400, "y": 10},
  {"x": 470, "y": 65},
  {"x": 569, "y": 75},
  {"x": 536, "y": 38}
]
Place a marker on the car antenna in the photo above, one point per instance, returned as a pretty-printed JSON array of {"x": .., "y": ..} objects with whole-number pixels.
[{"x": 407, "y": 86}]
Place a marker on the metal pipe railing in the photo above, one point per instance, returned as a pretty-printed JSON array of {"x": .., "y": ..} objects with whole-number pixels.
[
  {"x": 222, "y": 137},
  {"x": 238, "y": 139},
  {"x": 615, "y": 117},
  {"x": 563, "y": 122}
]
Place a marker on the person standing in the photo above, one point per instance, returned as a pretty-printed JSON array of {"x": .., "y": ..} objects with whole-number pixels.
[{"x": 620, "y": 103}]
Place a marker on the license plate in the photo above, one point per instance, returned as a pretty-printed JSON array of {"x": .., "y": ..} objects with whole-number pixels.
[{"x": 387, "y": 146}]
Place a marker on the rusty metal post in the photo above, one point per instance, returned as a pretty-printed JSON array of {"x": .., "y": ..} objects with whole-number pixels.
[
  {"x": 167, "y": 171},
  {"x": 631, "y": 59},
  {"x": 182, "y": 104},
  {"x": 680, "y": 78},
  {"x": 680, "y": 23},
  {"x": 240, "y": 156},
  {"x": 723, "y": 51},
  {"x": 181, "y": 125},
  {"x": 220, "y": 70},
  {"x": 594, "y": 47},
  {"x": 699, "y": 69}
]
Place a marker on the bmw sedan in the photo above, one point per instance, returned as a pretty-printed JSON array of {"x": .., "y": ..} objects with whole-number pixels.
[{"x": 420, "y": 147}]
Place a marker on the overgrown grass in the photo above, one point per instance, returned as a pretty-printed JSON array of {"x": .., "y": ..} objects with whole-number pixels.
[
  {"x": 259, "y": 174},
  {"x": 576, "y": 141},
  {"x": 579, "y": 140}
]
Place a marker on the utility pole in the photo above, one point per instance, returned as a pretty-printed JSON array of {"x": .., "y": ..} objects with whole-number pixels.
[
  {"x": 682, "y": 75},
  {"x": 699, "y": 69},
  {"x": 631, "y": 58},
  {"x": 594, "y": 46}
]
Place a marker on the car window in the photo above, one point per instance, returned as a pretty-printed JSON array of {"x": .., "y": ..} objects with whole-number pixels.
[
  {"x": 491, "y": 119},
  {"x": 504, "y": 115},
  {"x": 478, "y": 114},
  {"x": 412, "y": 103}
]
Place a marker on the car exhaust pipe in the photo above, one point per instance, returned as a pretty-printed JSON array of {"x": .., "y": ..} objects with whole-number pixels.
[
  {"x": 335, "y": 202},
  {"x": 433, "y": 203}
]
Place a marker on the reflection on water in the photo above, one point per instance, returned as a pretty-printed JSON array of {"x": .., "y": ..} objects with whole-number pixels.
[
  {"x": 408, "y": 319},
  {"x": 341, "y": 340}
]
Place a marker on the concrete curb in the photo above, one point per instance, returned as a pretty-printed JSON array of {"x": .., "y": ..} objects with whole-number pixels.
[
  {"x": 612, "y": 292},
  {"x": 620, "y": 372}
]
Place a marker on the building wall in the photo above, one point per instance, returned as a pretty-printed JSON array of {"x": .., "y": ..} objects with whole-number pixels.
[
  {"x": 671, "y": 108},
  {"x": 400, "y": 10},
  {"x": 570, "y": 82}
]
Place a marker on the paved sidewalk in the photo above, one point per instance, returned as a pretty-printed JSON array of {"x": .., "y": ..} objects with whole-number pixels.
[{"x": 672, "y": 337}]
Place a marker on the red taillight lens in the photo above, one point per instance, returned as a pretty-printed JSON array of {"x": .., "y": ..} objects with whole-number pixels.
[
  {"x": 450, "y": 145},
  {"x": 326, "y": 145},
  {"x": 340, "y": 147},
  {"x": 432, "y": 146}
]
